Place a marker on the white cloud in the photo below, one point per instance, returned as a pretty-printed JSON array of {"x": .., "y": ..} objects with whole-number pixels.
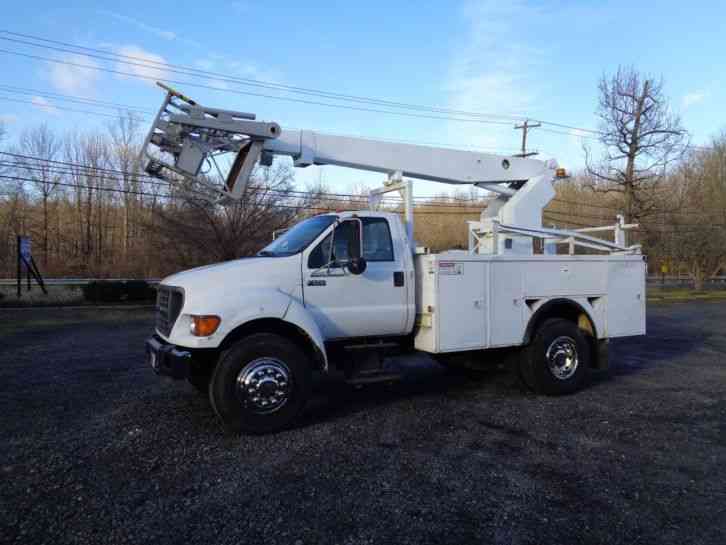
[
  {"x": 492, "y": 70},
  {"x": 77, "y": 77},
  {"x": 160, "y": 32},
  {"x": 163, "y": 33},
  {"x": 144, "y": 64},
  {"x": 693, "y": 98},
  {"x": 44, "y": 105}
]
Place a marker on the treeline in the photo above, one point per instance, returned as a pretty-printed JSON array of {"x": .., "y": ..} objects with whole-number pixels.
[{"x": 91, "y": 210}]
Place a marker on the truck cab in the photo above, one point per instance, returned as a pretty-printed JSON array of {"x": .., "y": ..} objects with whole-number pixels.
[{"x": 331, "y": 279}]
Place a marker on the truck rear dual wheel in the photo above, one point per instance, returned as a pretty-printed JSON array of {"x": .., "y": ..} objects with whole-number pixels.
[
  {"x": 557, "y": 361},
  {"x": 260, "y": 385}
]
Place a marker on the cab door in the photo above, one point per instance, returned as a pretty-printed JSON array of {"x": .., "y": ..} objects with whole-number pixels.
[{"x": 345, "y": 305}]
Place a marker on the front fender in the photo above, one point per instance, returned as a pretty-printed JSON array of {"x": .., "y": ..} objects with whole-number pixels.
[{"x": 299, "y": 316}]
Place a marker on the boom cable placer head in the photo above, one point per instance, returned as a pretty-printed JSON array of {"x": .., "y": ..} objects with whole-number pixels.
[{"x": 185, "y": 136}]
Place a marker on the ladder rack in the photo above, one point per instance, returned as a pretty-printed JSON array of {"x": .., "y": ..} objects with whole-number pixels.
[{"x": 484, "y": 235}]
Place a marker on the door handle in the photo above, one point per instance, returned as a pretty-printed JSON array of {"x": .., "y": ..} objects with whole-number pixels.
[
  {"x": 317, "y": 283},
  {"x": 398, "y": 279}
]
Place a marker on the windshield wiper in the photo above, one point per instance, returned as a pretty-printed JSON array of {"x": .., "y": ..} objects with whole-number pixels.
[{"x": 266, "y": 253}]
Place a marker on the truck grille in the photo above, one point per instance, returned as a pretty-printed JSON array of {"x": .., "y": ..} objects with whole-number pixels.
[{"x": 169, "y": 302}]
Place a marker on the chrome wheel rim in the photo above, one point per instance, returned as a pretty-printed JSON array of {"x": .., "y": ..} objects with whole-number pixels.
[
  {"x": 264, "y": 385},
  {"x": 562, "y": 357}
]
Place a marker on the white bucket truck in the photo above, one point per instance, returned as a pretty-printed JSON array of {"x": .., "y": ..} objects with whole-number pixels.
[{"x": 340, "y": 291}]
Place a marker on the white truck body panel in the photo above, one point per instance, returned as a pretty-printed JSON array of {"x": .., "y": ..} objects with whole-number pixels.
[{"x": 476, "y": 301}]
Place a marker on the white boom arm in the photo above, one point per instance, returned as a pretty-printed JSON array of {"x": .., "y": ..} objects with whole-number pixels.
[
  {"x": 185, "y": 135},
  {"x": 444, "y": 165}
]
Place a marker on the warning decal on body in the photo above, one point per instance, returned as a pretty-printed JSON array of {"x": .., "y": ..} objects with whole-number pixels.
[{"x": 449, "y": 267}]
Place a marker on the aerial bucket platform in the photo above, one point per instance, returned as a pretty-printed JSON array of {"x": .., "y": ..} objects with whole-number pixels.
[{"x": 185, "y": 138}]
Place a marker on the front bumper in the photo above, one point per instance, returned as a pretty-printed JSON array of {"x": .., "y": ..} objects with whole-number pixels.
[{"x": 168, "y": 360}]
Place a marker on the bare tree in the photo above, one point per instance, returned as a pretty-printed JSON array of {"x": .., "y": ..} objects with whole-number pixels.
[
  {"x": 41, "y": 146},
  {"x": 201, "y": 232},
  {"x": 3, "y": 167},
  {"x": 641, "y": 138},
  {"x": 696, "y": 234},
  {"x": 91, "y": 180},
  {"x": 125, "y": 158}
]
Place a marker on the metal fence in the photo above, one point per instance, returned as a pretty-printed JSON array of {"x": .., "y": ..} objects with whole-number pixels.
[
  {"x": 653, "y": 279},
  {"x": 76, "y": 281}
]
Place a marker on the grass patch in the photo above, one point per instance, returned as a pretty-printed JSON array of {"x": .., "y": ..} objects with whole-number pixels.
[
  {"x": 683, "y": 294},
  {"x": 58, "y": 296},
  {"x": 45, "y": 319}
]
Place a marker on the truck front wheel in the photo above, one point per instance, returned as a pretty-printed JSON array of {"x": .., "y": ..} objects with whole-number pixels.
[
  {"x": 260, "y": 384},
  {"x": 557, "y": 361}
]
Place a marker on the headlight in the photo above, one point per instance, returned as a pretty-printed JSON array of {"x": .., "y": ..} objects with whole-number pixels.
[{"x": 204, "y": 325}]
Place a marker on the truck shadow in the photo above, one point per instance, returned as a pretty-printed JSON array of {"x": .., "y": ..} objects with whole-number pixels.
[
  {"x": 334, "y": 399},
  {"x": 667, "y": 342}
]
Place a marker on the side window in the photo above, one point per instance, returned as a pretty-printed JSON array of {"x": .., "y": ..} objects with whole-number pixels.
[
  {"x": 377, "y": 243},
  {"x": 341, "y": 252}
]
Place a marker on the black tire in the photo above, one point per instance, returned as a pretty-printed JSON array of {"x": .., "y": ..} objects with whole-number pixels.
[
  {"x": 252, "y": 355},
  {"x": 556, "y": 375}
]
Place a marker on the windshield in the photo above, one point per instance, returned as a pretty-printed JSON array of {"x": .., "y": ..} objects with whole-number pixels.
[{"x": 298, "y": 237}]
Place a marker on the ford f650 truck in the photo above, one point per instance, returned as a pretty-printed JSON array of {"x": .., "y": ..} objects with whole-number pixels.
[{"x": 341, "y": 291}]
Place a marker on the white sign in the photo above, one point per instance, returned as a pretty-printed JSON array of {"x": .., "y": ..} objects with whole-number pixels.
[{"x": 449, "y": 267}]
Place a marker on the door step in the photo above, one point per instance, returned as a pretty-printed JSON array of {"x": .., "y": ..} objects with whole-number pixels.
[
  {"x": 371, "y": 346},
  {"x": 373, "y": 377}
]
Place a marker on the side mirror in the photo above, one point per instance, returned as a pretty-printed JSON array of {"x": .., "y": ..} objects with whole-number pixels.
[{"x": 357, "y": 265}]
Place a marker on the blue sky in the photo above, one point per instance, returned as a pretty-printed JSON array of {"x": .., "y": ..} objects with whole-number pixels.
[{"x": 541, "y": 59}]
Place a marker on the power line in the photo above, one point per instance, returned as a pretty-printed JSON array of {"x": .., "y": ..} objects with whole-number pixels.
[
  {"x": 72, "y": 98},
  {"x": 350, "y": 199},
  {"x": 581, "y": 216},
  {"x": 587, "y": 205},
  {"x": 112, "y": 56},
  {"x": 194, "y": 72},
  {"x": 142, "y": 117},
  {"x": 90, "y": 171},
  {"x": 107, "y": 56},
  {"x": 248, "y": 93},
  {"x": 62, "y": 108},
  {"x": 677, "y": 228},
  {"x": 187, "y": 199},
  {"x": 145, "y": 178},
  {"x": 64, "y": 167}
]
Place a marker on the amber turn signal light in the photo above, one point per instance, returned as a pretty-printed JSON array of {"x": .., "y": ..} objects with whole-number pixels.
[{"x": 204, "y": 326}]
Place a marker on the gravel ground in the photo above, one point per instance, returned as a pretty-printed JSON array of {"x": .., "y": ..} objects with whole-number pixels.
[{"x": 97, "y": 449}]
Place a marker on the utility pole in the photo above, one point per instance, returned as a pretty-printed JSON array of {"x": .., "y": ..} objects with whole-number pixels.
[{"x": 524, "y": 127}]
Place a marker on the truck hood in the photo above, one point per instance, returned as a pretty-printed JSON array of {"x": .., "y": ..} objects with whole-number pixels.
[{"x": 272, "y": 272}]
